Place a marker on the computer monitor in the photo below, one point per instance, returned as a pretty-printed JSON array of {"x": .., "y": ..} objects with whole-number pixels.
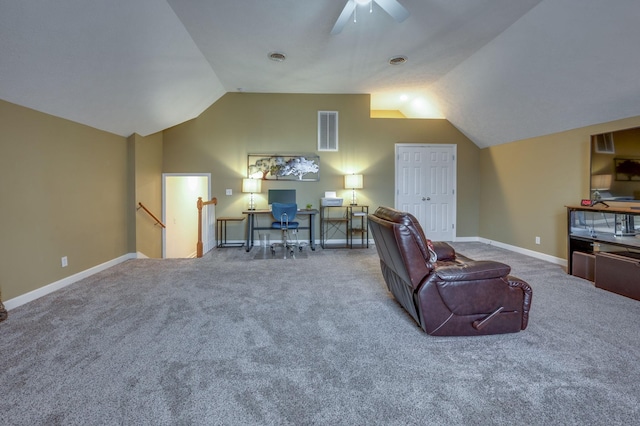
[{"x": 282, "y": 196}]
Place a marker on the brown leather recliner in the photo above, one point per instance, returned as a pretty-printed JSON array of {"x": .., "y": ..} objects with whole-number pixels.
[{"x": 446, "y": 293}]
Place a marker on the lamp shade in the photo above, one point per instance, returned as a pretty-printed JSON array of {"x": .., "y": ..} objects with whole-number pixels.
[
  {"x": 251, "y": 185},
  {"x": 600, "y": 182},
  {"x": 353, "y": 181}
]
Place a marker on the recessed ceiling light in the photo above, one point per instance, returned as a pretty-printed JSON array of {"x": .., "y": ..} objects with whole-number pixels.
[
  {"x": 398, "y": 60},
  {"x": 277, "y": 56}
]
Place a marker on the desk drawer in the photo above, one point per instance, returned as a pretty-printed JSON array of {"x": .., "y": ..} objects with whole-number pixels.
[
  {"x": 618, "y": 274},
  {"x": 583, "y": 265}
]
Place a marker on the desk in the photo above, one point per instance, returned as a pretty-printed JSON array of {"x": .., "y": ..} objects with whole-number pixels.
[
  {"x": 221, "y": 231},
  {"x": 253, "y": 226}
]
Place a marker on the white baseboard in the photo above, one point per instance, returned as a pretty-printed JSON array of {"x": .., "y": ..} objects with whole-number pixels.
[
  {"x": 536, "y": 254},
  {"x": 50, "y": 288},
  {"x": 466, "y": 239}
]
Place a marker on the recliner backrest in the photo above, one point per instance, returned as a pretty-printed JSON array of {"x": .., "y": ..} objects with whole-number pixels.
[
  {"x": 401, "y": 244},
  {"x": 410, "y": 222}
]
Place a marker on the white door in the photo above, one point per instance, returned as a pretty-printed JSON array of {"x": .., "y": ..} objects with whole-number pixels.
[{"x": 426, "y": 187}]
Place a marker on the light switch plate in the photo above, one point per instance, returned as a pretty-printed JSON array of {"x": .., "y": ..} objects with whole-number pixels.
[{"x": 228, "y": 192}]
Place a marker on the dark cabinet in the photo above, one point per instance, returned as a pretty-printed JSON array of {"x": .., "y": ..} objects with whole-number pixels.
[{"x": 604, "y": 246}]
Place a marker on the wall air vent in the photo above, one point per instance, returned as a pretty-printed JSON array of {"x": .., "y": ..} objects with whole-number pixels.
[
  {"x": 327, "y": 130},
  {"x": 603, "y": 143}
]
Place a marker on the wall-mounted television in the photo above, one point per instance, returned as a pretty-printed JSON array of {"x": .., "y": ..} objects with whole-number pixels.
[
  {"x": 285, "y": 196},
  {"x": 615, "y": 166}
]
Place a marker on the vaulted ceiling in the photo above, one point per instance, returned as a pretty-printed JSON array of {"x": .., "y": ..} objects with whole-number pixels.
[{"x": 498, "y": 70}]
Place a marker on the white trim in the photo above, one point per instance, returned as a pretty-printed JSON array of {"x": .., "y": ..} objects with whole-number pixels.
[
  {"x": 466, "y": 239},
  {"x": 50, "y": 288},
  {"x": 527, "y": 252}
]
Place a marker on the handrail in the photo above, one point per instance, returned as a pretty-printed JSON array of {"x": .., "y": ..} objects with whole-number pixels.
[
  {"x": 151, "y": 214},
  {"x": 201, "y": 204}
]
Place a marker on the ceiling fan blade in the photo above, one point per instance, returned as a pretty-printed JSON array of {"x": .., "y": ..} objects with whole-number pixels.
[
  {"x": 393, "y": 8},
  {"x": 344, "y": 17}
]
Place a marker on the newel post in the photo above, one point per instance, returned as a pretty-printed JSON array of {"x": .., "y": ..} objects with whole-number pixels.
[{"x": 199, "y": 245}]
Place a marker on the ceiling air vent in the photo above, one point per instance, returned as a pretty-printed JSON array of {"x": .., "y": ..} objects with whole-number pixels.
[
  {"x": 327, "y": 130},
  {"x": 398, "y": 60},
  {"x": 277, "y": 56}
]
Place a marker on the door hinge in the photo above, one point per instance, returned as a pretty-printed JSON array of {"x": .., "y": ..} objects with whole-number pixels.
[
  {"x": 453, "y": 192},
  {"x": 453, "y": 226}
]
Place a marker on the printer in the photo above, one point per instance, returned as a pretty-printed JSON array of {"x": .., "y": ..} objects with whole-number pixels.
[{"x": 330, "y": 200}]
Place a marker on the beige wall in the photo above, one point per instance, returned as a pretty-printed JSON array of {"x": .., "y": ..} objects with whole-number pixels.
[
  {"x": 62, "y": 193},
  {"x": 219, "y": 140},
  {"x": 145, "y": 159},
  {"x": 527, "y": 184},
  {"x": 71, "y": 190}
]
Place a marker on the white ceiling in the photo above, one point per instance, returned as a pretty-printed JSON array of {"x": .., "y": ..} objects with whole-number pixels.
[{"x": 499, "y": 70}]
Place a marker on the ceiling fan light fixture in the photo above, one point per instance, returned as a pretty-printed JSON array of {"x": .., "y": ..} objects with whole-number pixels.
[
  {"x": 277, "y": 56},
  {"x": 392, "y": 7},
  {"x": 398, "y": 60}
]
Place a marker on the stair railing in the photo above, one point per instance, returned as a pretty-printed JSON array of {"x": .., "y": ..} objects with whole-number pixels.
[{"x": 158, "y": 222}]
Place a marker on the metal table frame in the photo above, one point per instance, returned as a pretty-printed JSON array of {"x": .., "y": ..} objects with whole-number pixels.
[{"x": 252, "y": 225}]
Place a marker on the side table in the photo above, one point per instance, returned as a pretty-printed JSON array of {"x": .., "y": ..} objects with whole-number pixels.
[{"x": 221, "y": 231}]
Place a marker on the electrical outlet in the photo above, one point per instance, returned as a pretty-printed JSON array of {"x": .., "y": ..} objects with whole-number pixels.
[
  {"x": 64, "y": 261},
  {"x": 537, "y": 240},
  {"x": 228, "y": 191}
]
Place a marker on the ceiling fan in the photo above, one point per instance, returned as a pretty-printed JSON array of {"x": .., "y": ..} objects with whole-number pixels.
[{"x": 392, "y": 7}]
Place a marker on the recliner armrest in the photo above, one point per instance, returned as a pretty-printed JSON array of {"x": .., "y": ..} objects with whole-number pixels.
[
  {"x": 515, "y": 282},
  {"x": 473, "y": 270},
  {"x": 443, "y": 250}
]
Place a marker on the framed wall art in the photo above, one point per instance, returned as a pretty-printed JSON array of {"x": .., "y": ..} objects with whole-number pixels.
[
  {"x": 627, "y": 169},
  {"x": 296, "y": 167}
]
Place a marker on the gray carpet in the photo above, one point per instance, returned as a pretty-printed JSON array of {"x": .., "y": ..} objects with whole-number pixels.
[{"x": 230, "y": 339}]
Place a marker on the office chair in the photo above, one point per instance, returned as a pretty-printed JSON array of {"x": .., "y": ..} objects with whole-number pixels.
[{"x": 284, "y": 215}]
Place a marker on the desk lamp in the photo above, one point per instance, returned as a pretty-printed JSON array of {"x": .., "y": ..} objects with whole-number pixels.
[
  {"x": 600, "y": 183},
  {"x": 251, "y": 186},
  {"x": 353, "y": 182}
]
